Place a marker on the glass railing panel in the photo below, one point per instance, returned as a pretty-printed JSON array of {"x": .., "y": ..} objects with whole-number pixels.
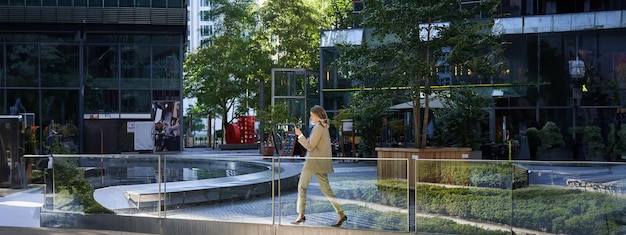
[
  {"x": 370, "y": 201},
  {"x": 571, "y": 198},
  {"x": 463, "y": 196},
  {"x": 103, "y": 184},
  {"x": 22, "y": 198},
  {"x": 218, "y": 188}
]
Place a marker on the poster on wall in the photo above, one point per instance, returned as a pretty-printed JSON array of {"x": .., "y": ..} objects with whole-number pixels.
[
  {"x": 142, "y": 135},
  {"x": 166, "y": 117}
]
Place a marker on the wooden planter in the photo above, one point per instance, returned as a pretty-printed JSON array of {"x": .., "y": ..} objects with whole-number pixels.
[{"x": 391, "y": 169}]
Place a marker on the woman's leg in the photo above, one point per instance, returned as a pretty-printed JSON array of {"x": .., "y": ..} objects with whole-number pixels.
[
  {"x": 303, "y": 183},
  {"x": 322, "y": 179}
]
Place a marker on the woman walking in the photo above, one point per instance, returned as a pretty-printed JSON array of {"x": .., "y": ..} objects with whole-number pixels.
[{"x": 318, "y": 146}]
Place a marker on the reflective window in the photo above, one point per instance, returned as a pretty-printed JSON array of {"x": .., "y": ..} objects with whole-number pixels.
[
  {"x": 135, "y": 70},
  {"x": 2, "y": 69},
  {"x": 165, "y": 39},
  {"x": 206, "y": 16},
  {"x": 65, "y": 2},
  {"x": 17, "y": 2},
  {"x": 22, "y": 65},
  {"x": 611, "y": 67},
  {"x": 22, "y": 37},
  {"x": 289, "y": 83},
  {"x": 174, "y": 3},
  {"x": 80, "y": 3},
  {"x": 159, "y": 3},
  {"x": 103, "y": 38},
  {"x": 127, "y": 3},
  {"x": 136, "y": 101},
  {"x": 166, "y": 95},
  {"x": 166, "y": 71},
  {"x": 33, "y": 2},
  {"x": 2, "y": 110},
  {"x": 95, "y": 3},
  {"x": 110, "y": 3},
  {"x": 102, "y": 67},
  {"x": 101, "y": 100},
  {"x": 143, "y": 3},
  {"x": 59, "y": 65},
  {"x": 23, "y": 101},
  {"x": 62, "y": 107},
  {"x": 49, "y": 2},
  {"x": 206, "y": 30},
  {"x": 57, "y": 37},
  {"x": 135, "y": 38}
]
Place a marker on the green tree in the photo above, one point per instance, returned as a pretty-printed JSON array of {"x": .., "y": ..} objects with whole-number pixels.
[
  {"x": 411, "y": 39},
  {"x": 222, "y": 73},
  {"x": 337, "y": 14},
  {"x": 367, "y": 109},
  {"x": 195, "y": 113},
  {"x": 293, "y": 29},
  {"x": 273, "y": 115},
  {"x": 457, "y": 121}
]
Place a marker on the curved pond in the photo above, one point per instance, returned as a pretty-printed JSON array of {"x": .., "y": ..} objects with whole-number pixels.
[
  {"x": 125, "y": 183},
  {"x": 128, "y": 171}
]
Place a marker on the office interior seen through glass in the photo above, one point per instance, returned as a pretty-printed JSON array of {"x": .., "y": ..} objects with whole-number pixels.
[
  {"x": 98, "y": 83},
  {"x": 535, "y": 85}
]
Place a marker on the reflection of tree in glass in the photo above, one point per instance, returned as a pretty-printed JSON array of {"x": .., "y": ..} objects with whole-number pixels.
[
  {"x": 22, "y": 65},
  {"x": 59, "y": 64}
]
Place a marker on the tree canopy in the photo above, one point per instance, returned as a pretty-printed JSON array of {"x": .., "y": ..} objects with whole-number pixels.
[
  {"x": 222, "y": 73},
  {"x": 413, "y": 40},
  {"x": 228, "y": 71}
]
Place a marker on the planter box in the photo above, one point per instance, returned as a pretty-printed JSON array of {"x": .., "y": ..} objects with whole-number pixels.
[{"x": 390, "y": 169}]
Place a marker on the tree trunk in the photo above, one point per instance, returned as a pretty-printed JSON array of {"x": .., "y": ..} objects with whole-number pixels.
[
  {"x": 416, "y": 119},
  {"x": 224, "y": 123}
]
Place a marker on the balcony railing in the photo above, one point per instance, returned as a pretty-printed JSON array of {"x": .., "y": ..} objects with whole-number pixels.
[{"x": 464, "y": 196}]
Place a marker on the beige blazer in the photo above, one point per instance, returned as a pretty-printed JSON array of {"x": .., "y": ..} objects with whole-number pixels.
[{"x": 318, "y": 146}]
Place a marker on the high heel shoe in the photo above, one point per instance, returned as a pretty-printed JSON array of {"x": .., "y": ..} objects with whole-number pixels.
[
  {"x": 340, "y": 222},
  {"x": 299, "y": 220}
]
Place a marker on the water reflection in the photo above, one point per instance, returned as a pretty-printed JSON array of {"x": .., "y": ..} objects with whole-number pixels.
[
  {"x": 201, "y": 174},
  {"x": 140, "y": 172}
]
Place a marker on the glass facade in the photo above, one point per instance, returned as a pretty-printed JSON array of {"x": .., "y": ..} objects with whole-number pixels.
[
  {"x": 537, "y": 83},
  {"x": 61, "y": 77},
  {"x": 296, "y": 88},
  {"x": 96, "y": 3}
]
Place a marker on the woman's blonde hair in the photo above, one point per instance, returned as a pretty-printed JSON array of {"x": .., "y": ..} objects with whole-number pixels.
[{"x": 321, "y": 113}]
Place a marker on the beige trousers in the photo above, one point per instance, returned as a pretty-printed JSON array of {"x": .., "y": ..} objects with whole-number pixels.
[{"x": 322, "y": 179}]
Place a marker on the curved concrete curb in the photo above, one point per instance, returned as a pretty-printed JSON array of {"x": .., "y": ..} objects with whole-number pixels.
[{"x": 145, "y": 196}]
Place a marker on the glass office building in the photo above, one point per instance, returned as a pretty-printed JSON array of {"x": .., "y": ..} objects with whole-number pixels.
[
  {"x": 564, "y": 63},
  {"x": 94, "y": 64}
]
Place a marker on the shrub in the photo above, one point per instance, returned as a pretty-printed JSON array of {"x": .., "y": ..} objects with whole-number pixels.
[{"x": 70, "y": 181}]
